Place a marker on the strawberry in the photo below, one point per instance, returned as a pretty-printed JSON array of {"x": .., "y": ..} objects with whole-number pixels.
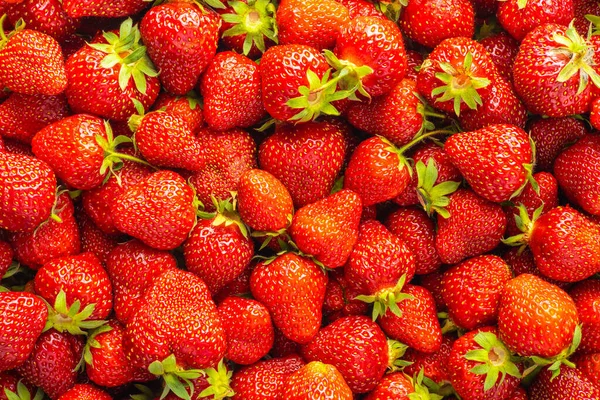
[
  {"x": 292, "y": 288},
  {"x": 9, "y": 381},
  {"x": 24, "y": 209},
  {"x": 32, "y": 62},
  {"x": 158, "y": 210},
  {"x": 181, "y": 38},
  {"x": 472, "y": 290},
  {"x": 6, "y": 257},
  {"x": 341, "y": 298},
  {"x": 497, "y": 161},
  {"x": 414, "y": 60},
  {"x": 378, "y": 266},
  {"x": 132, "y": 267},
  {"x": 342, "y": 344},
  {"x": 586, "y": 295},
  {"x": 582, "y": 9},
  {"x": 570, "y": 384},
  {"x": 57, "y": 237},
  {"x": 361, "y": 8},
  {"x": 240, "y": 286},
  {"x": 311, "y": 22},
  {"x": 474, "y": 227},
  {"x": 328, "y": 229},
  {"x": 103, "y": 8},
  {"x": 551, "y": 135},
  {"x": 241, "y": 107},
  {"x": 398, "y": 385},
  {"x": 248, "y": 329},
  {"x": 519, "y": 17},
  {"x": 503, "y": 50},
  {"x": 475, "y": 363},
  {"x": 23, "y": 115},
  {"x": 521, "y": 261},
  {"x": 434, "y": 365},
  {"x": 106, "y": 75},
  {"x": 433, "y": 283},
  {"x": 23, "y": 316},
  {"x": 306, "y": 158},
  {"x": 576, "y": 170},
  {"x": 12, "y": 146},
  {"x": 186, "y": 107},
  {"x": 546, "y": 79},
  {"x": 415, "y": 322},
  {"x": 264, "y": 379},
  {"x": 316, "y": 381},
  {"x": 48, "y": 18},
  {"x": 589, "y": 364},
  {"x": 536, "y": 317},
  {"x": 85, "y": 391},
  {"x": 430, "y": 22}
]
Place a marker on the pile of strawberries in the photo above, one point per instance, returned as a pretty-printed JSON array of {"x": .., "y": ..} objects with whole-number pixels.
[{"x": 303, "y": 199}]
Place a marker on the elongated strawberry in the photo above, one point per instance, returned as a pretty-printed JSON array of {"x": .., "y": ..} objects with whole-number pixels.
[
  {"x": 293, "y": 289},
  {"x": 23, "y": 316},
  {"x": 103, "y": 8},
  {"x": 551, "y": 135},
  {"x": 586, "y": 294},
  {"x": 264, "y": 379},
  {"x": 519, "y": 17},
  {"x": 48, "y": 18},
  {"x": 316, "y": 381},
  {"x": 181, "y": 38},
  {"x": 571, "y": 383}
]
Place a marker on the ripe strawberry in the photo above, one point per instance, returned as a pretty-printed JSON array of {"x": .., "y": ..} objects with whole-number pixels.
[
  {"x": 103, "y": 81},
  {"x": 292, "y": 288},
  {"x": 393, "y": 386},
  {"x": 316, "y": 381},
  {"x": 48, "y": 18},
  {"x": 582, "y": 8},
  {"x": 551, "y": 135},
  {"x": 158, "y": 210},
  {"x": 434, "y": 365},
  {"x": 475, "y": 363},
  {"x": 328, "y": 229},
  {"x": 181, "y": 38},
  {"x": 342, "y": 344},
  {"x": 415, "y": 324},
  {"x": 306, "y": 158},
  {"x": 174, "y": 302},
  {"x": 576, "y": 170},
  {"x": 132, "y": 268},
  {"x": 546, "y": 79},
  {"x": 472, "y": 290},
  {"x": 586, "y": 295},
  {"x": 23, "y": 317},
  {"x": 430, "y": 22},
  {"x": 264, "y": 379},
  {"x": 21, "y": 115},
  {"x": 433, "y": 283},
  {"x": 536, "y": 317},
  {"x": 92, "y": 239},
  {"x": 8, "y": 379},
  {"x": 475, "y": 226},
  {"x": 503, "y": 50},
  {"x": 497, "y": 161},
  {"x": 570, "y": 384},
  {"x": 520, "y": 17},
  {"x": 85, "y": 391},
  {"x": 241, "y": 107},
  {"x": 58, "y": 237},
  {"x": 186, "y": 107},
  {"x": 103, "y": 8},
  {"x": 32, "y": 63},
  {"x": 589, "y": 364},
  {"x": 24, "y": 209},
  {"x": 341, "y": 298}
]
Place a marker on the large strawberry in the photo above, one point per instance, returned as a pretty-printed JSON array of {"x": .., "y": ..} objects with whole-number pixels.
[
  {"x": 264, "y": 379},
  {"x": 23, "y": 316},
  {"x": 48, "y": 18},
  {"x": 316, "y": 381},
  {"x": 292, "y": 288},
  {"x": 586, "y": 295},
  {"x": 519, "y": 17},
  {"x": 181, "y": 38}
]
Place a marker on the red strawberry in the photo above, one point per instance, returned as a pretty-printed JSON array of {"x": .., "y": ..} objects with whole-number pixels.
[
  {"x": 23, "y": 115},
  {"x": 186, "y": 107},
  {"x": 328, "y": 229},
  {"x": 23, "y": 317},
  {"x": 6, "y": 257},
  {"x": 393, "y": 386},
  {"x": 306, "y": 158},
  {"x": 536, "y": 317},
  {"x": 292, "y": 288},
  {"x": 316, "y": 381},
  {"x": 103, "y": 8},
  {"x": 8, "y": 380},
  {"x": 430, "y": 22},
  {"x": 520, "y": 17},
  {"x": 158, "y": 210},
  {"x": 241, "y": 107},
  {"x": 472, "y": 290},
  {"x": 32, "y": 63},
  {"x": 341, "y": 298},
  {"x": 181, "y": 38},
  {"x": 132, "y": 267},
  {"x": 586, "y": 295},
  {"x": 414, "y": 61},
  {"x": 589, "y": 364},
  {"x": 103, "y": 81},
  {"x": 85, "y": 391},
  {"x": 361, "y": 8},
  {"x": 497, "y": 161},
  {"x": 433, "y": 283},
  {"x": 240, "y": 286},
  {"x": 264, "y": 379},
  {"x": 551, "y": 135},
  {"x": 434, "y": 365},
  {"x": 570, "y": 384},
  {"x": 577, "y": 170},
  {"x": 356, "y": 346},
  {"x": 503, "y": 50},
  {"x": 521, "y": 261},
  {"x": 24, "y": 209},
  {"x": 475, "y": 226},
  {"x": 546, "y": 80},
  {"x": 582, "y": 8},
  {"x": 48, "y": 18}
]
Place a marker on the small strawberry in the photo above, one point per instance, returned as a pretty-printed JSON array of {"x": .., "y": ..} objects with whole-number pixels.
[
  {"x": 48, "y": 18},
  {"x": 570, "y": 384},
  {"x": 85, "y": 391},
  {"x": 292, "y": 288},
  {"x": 186, "y": 107},
  {"x": 519, "y": 17},
  {"x": 181, "y": 38},
  {"x": 521, "y": 262},
  {"x": 586, "y": 295},
  {"x": 23, "y": 317},
  {"x": 103, "y": 8},
  {"x": 398, "y": 385},
  {"x": 316, "y": 381},
  {"x": 328, "y": 229}
]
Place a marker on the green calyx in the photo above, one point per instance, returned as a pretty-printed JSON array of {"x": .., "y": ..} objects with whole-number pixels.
[
  {"x": 145, "y": 393},
  {"x": 225, "y": 214},
  {"x": 387, "y": 299},
  {"x": 23, "y": 393},
  {"x": 255, "y": 19},
  {"x": 525, "y": 225},
  {"x": 126, "y": 50},
  {"x": 581, "y": 56},
  {"x": 494, "y": 358},
  {"x": 91, "y": 343},
  {"x": 422, "y": 390},
  {"x": 433, "y": 198},
  {"x": 521, "y": 4},
  {"x": 4, "y": 37},
  {"x": 460, "y": 85},
  {"x": 391, "y": 9},
  {"x": 396, "y": 351},
  {"x": 71, "y": 319},
  {"x": 351, "y": 75},
  {"x": 219, "y": 380}
]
